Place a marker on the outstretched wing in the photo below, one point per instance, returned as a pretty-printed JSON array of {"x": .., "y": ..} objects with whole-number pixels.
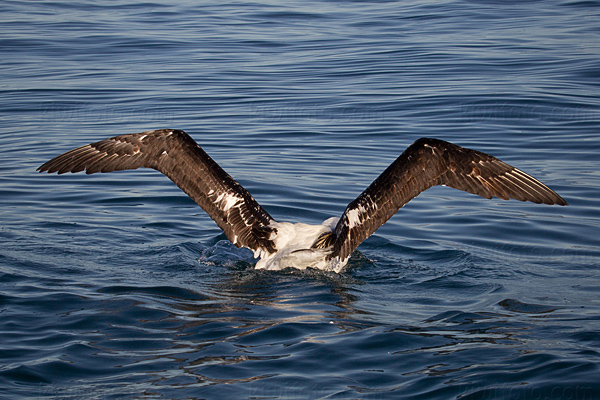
[
  {"x": 427, "y": 163},
  {"x": 178, "y": 156}
]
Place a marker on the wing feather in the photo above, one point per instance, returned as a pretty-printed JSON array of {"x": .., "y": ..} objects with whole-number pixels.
[
  {"x": 178, "y": 156},
  {"x": 427, "y": 163}
]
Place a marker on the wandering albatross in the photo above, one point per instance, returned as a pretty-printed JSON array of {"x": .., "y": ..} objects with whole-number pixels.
[{"x": 424, "y": 164}]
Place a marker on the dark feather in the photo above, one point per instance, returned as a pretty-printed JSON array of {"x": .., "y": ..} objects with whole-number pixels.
[
  {"x": 427, "y": 163},
  {"x": 178, "y": 156}
]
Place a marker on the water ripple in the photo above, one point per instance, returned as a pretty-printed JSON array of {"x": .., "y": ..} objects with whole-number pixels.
[{"x": 119, "y": 286}]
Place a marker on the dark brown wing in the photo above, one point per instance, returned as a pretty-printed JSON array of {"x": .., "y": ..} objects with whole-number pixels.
[
  {"x": 427, "y": 163},
  {"x": 178, "y": 156}
]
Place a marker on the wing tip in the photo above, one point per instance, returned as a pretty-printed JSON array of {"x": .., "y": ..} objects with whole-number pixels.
[
  {"x": 52, "y": 167},
  {"x": 551, "y": 199},
  {"x": 561, "y": 202},
  {"x": 45, "y": 167}
]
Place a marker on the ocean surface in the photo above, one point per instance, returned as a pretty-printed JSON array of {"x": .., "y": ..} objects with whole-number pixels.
[{"x": 117, "y": 286}]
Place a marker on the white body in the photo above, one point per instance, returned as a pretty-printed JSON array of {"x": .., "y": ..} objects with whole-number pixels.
[{"x": 293, "y": 243}]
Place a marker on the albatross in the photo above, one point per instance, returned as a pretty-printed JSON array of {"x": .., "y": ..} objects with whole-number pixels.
[{"x": 277, "y": 245}]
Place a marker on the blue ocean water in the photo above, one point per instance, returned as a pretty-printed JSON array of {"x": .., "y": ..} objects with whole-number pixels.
[{"x": 117, "y": 286}]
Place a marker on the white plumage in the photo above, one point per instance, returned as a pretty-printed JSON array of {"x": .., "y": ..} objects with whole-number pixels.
[{"x": 294, "y": 242}]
